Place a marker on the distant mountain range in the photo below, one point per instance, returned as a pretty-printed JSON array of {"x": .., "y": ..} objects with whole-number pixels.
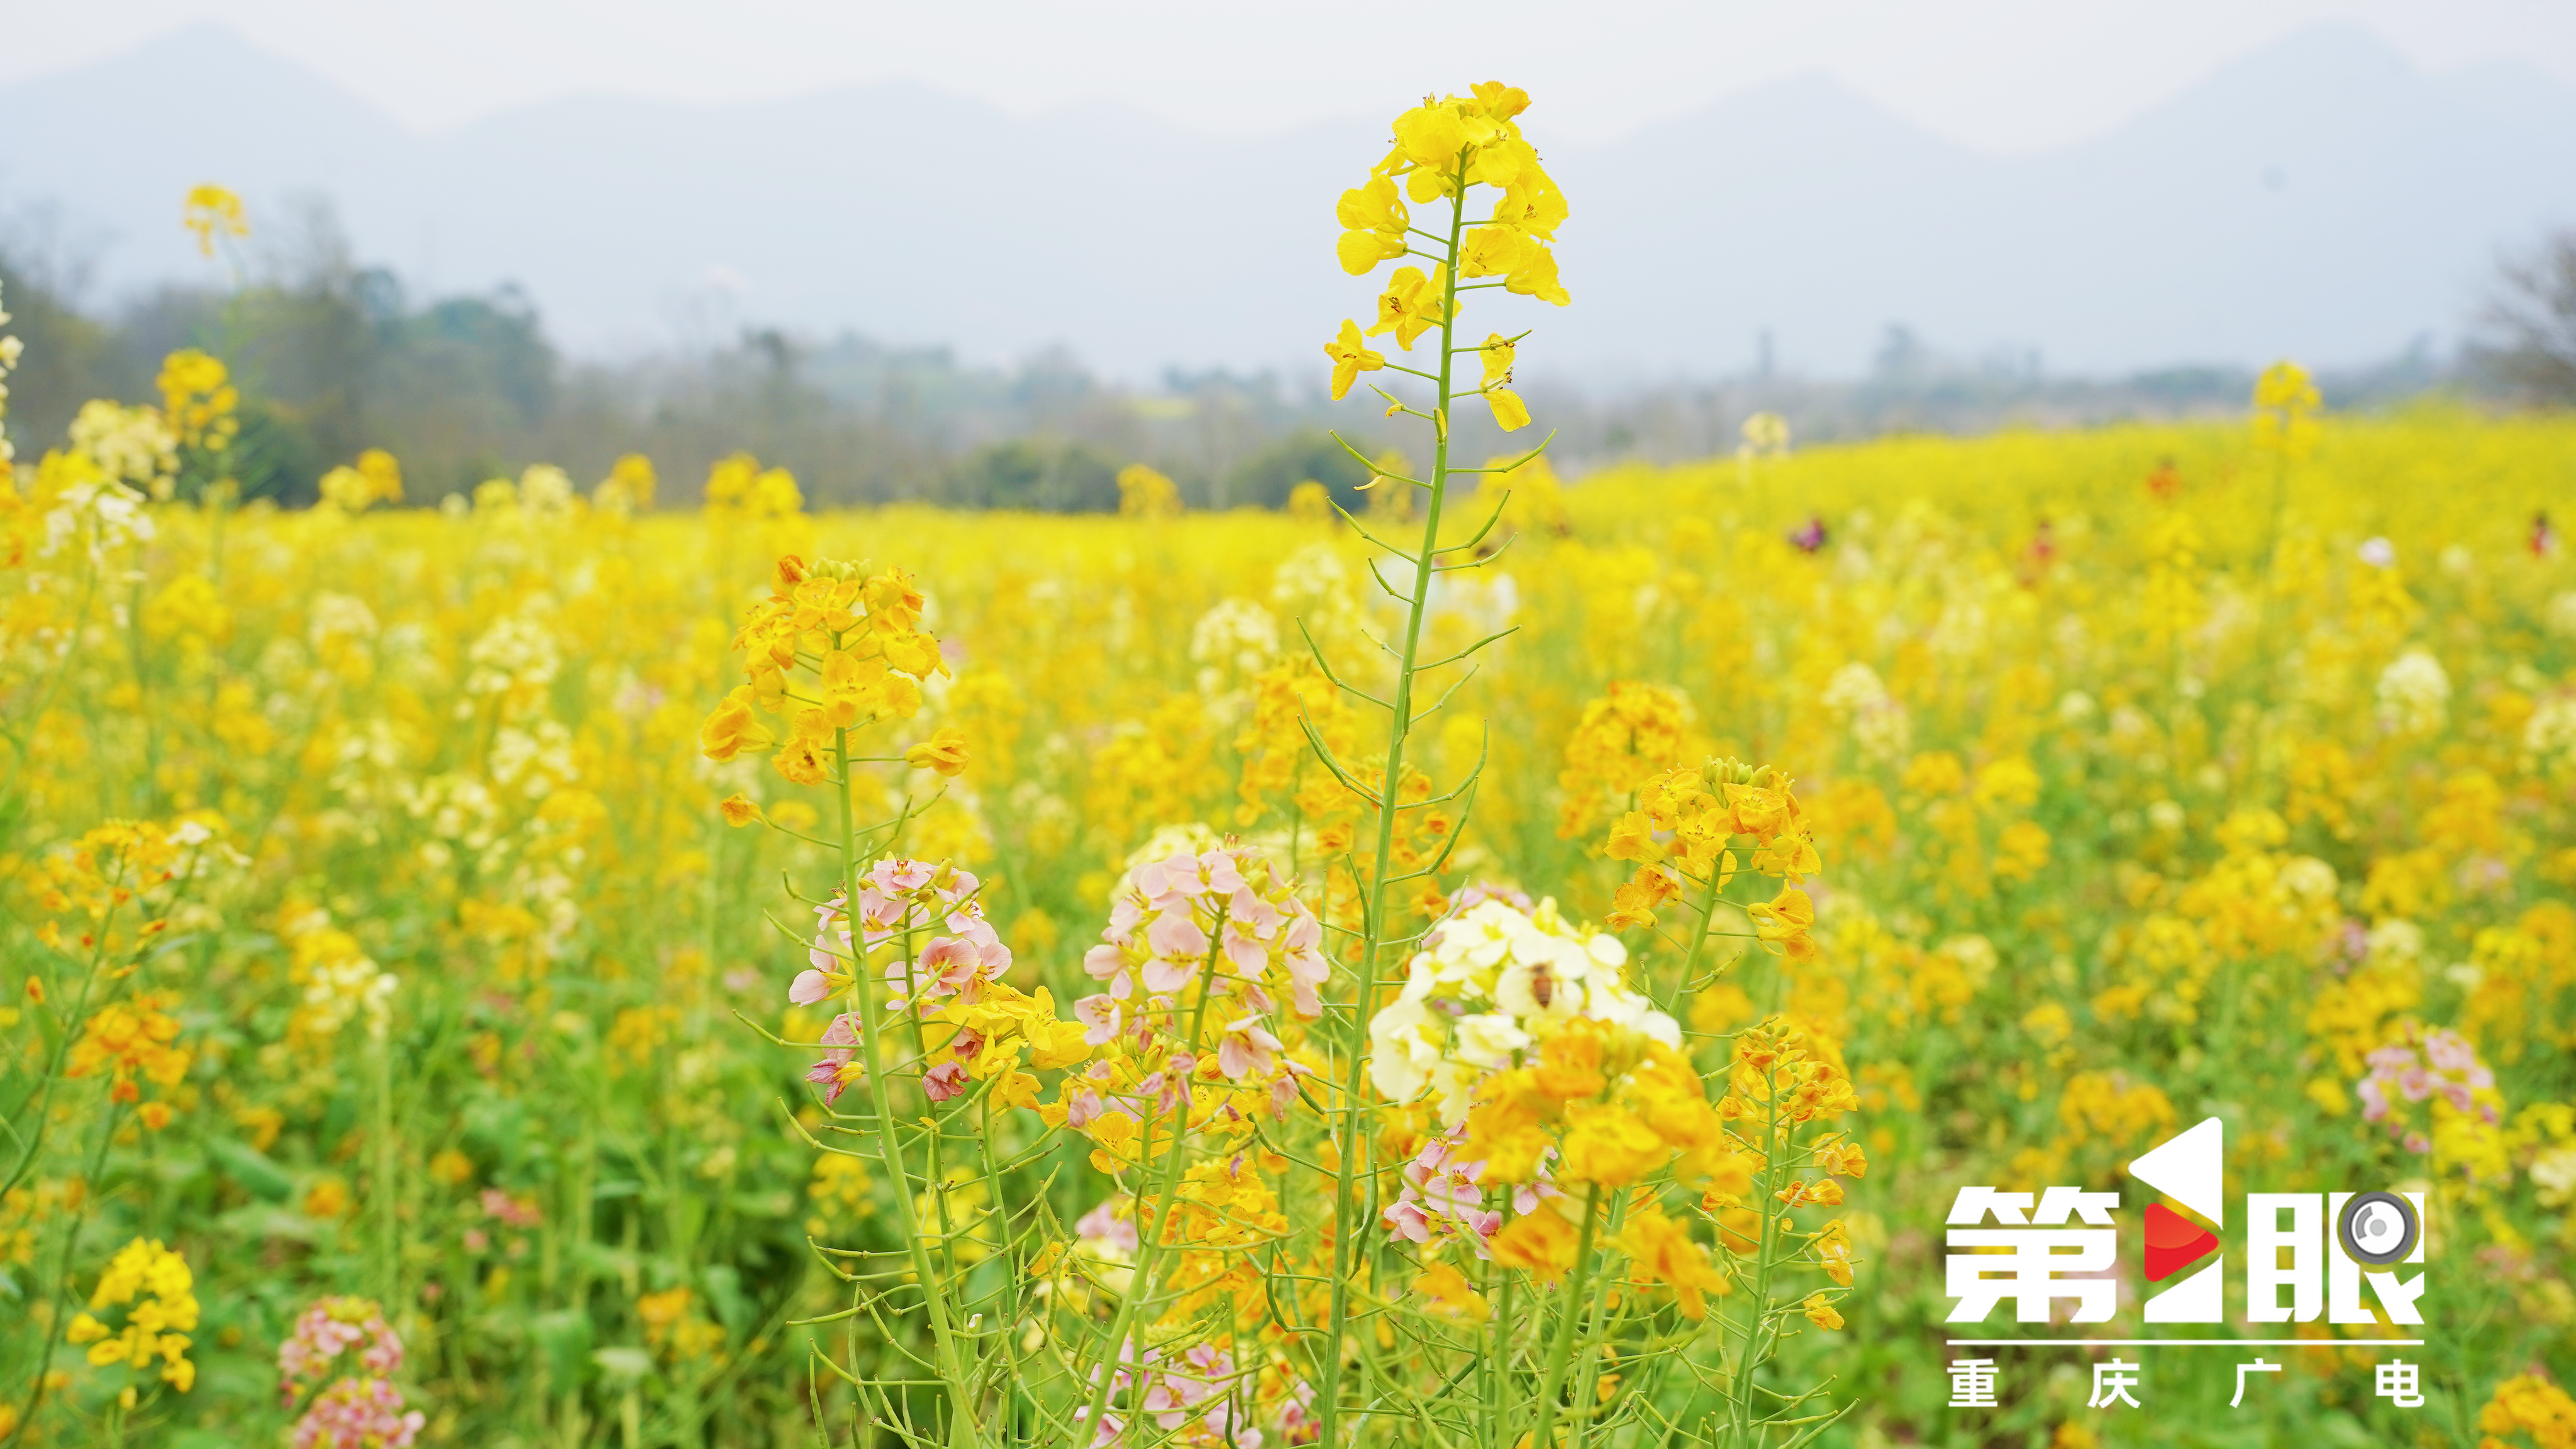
[{"x": 2319, "y": 199}]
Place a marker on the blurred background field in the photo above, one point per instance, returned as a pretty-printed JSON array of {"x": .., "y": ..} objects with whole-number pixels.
[
  {"x": 2122, "y": 828},
  {"x": 2179, "y": 741}
]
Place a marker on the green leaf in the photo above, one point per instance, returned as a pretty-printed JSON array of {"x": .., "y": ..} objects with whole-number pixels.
[
  {"x": 251, "y": 1168},
  {"x": 563, "y": 1335},
  {"x": 733, "y": 1309}
]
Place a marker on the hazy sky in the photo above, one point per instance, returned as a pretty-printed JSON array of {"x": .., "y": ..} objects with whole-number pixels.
[{"x": 2000, "y": 74}]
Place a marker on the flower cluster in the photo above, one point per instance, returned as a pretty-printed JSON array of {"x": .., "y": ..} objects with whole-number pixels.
[
  {"x": 942, "y": 962},
  {"x": 2430, "y": 1063},
  {"x": 627, "y": 489},
  {"x": 2413, "y": 694},
  {"x": 1199, "y": 950},
  {"x": 358, "y": 1414},
  {"x": 198, "y": 400},
  {"x": 1443, "y": 1197},
  {"x": 672, "y": 1324},
  {"x": 331, "y": 1327},
  {"x": 1193, "y": 1394},
  {"x": 1784, "y": 1083},
  {"x": 1225, "y": 907},
  {"x": 156, "y": 1290},
  {"x": 1623, "y": 739},
  {"x": 339, "y": 980},
  {"x": 2285, "y": 408},
  {"x": 1441, "y": 148},
  {"x": 211, "y": 211},
  {"x": 71, "y": 498},
  {"x": 357, "y": 1411},
  {"x": 1491, "y": 982},
  {"x": 2530, "y": 1404},
  {"x": 850, "y": 641},
  {"x": 1602, "y": 1107},
  {"x": 131, "y": 1039},
  {"x": 739, "y": 484},
  {"x": 1699, "y": 827},
  {"x": 902, "y": 899},
  {"x": 124, "y": 863},
  {"x": 1144, "y": 493},
  {"x": 375, "y": 478},
  {"x": 130, "y": 445},
  {"x": 1609, "y": 1103},
  {"x": 1205, "y": 1236}
]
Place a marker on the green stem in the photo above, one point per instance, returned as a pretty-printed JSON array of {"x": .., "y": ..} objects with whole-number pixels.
[
  {"x": 148, "y": 796},
  {"x": 42, "y": 1117},
  {"x": 1699, "y": 939},
  {"x": 1590, "y": 1355},
  {"x": 63, "y": 1279},
  {"x": 1755, "y": 1349},
  {"x": 934, "y": 1295},
  {"x": 388, "y": 1228},
  {"x": 1552, "y": 1382},
  {"x": 1348, "y": 1231}
]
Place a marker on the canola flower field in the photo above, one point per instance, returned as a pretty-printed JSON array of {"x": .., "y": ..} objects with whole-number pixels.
[{"x": 552, "y": 969}]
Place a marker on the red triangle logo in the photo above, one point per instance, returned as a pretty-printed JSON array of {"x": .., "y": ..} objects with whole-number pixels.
[{"x": 2174, "y": 1242}]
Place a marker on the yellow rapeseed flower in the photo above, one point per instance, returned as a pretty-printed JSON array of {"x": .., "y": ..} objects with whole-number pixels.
[
  {"x": 1413, "y": 303},
  {"x": 1351, "y": 356},
  {"x": 1373, "y": 220},
  {"x": 211, "y": 211}
]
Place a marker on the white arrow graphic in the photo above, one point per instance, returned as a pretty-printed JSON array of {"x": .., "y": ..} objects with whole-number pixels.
[{"x": 2191, "y": 1169}]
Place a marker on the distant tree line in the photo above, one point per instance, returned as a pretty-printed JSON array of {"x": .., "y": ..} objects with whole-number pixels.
[{"x": 334, "y": 357}]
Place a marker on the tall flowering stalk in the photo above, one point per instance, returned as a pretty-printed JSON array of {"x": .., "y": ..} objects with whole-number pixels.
[
  {"x": 835, "y": 651},
  {"x": 1474, "y": 1190},
  {"x": 1443, "y": 150},
  {"x": 115, "y": 895},
  {"x": 1548, "y": 1077}
]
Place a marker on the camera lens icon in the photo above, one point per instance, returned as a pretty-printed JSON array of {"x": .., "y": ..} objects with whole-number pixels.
[{"x": 2377, "y": 1228}]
